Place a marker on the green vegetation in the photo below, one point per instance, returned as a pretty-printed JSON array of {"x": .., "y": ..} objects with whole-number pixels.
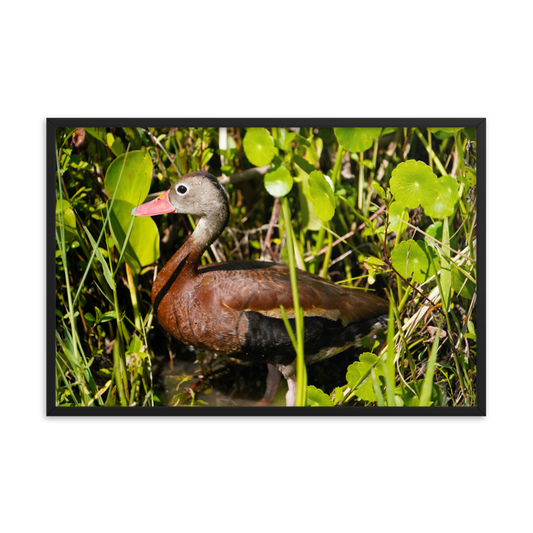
[{"x": 391, "y": 210}]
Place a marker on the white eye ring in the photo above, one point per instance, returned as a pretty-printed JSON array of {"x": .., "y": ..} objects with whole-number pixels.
[{"x": 182, "y": 190}]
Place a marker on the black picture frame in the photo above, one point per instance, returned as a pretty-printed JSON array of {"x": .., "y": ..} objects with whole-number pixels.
[{"x": 53, "y": 123}]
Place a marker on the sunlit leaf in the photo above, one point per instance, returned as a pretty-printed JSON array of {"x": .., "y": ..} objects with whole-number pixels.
[
  {"x": 413, "y": 183},
  {"x": 321, "y": 195},
  {"x": 447, "y": 197},
  {"x": 258, "y": 146},
  {"x": 413, "y": 258},
  {"x": 357, "y": 139},
  {"x": 136, "y": 168},
  {"x": 357, "y": 372},
  {"x": 317, "y": 397},
  {"x": 143, "y": 245},
  {"x": 278, "y": 182}
]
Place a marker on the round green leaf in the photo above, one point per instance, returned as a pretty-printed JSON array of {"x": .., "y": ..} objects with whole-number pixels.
[
  {"x": 136, "y": 168},
  {"x": 321, "y": 196},
  {"x": 258, "y": 146},
  {"x": 278, "y": 182},
  {"x": 143, "y": 245},
  {"x": 447, "y": 197},
  {"x": 357, "y": 139},
  {"x": 413, "y": 184},
  {"x": 413, "y": 257}
]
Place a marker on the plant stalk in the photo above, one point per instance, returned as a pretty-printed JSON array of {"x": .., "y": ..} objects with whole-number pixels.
[{"x": 301, "y": 372}]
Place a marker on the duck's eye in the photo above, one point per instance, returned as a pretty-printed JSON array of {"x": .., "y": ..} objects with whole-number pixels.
[{"x": 181, "y": 189}]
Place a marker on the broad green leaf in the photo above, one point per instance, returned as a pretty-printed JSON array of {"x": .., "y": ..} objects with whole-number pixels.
[
  {"x": 317, "y": 397},
  {"x": 413, "y": 257},
  {"x": 259, "y": 146},
  {"x": 413, "y": 184},
  {"x": 321, "y": 196},
  {"x": 136, "y": 177},
  {"x": 357, "y": 139},
  {"x": 143, "y": 245},
  {"x": 447, "y": 197},
  {"x": 278, "y": 182}
]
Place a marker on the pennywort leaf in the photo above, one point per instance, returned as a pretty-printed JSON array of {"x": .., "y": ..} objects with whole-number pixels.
[
  {"x": 413, "y": 258},
  {"x": 278, "y": 182},
  {"x": 447, "y": 197},
  {"x": 357, "y": 139},
  {"x": 413, "y": 183},
  {"x": 259, "y": 146}
]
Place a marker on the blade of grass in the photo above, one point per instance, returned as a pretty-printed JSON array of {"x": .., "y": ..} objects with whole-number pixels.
[
  {"x": 427, "y": 386},
  {"x": 389, "y": 363},
  {"x": 377, "y": 389},
  {"x": 301, "y": 372},
  {"x": 446, "y": 273}
]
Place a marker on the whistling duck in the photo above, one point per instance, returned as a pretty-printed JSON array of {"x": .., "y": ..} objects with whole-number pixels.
[{"x": 233, "y": 307}]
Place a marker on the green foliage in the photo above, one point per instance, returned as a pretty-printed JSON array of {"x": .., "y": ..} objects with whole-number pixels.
[
  {"x": 321, "y": 193},
  {"x": 134, "y": 170},
  {"x": 357, "y": 139},
  {"x": 447, "y": 197},
  {"x": 278, "y": 182},
  {"x": 398, "y": 229},
  {"x": 414, "y": 258},
  {"x": 259, "y": 146},
  {"x": 413, "y": 184}
]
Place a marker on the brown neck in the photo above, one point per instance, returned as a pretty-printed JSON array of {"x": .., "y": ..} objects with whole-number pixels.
[{"x": 184, "y": 263}]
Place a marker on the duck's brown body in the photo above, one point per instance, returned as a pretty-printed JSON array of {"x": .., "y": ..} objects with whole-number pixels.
[{"x": 234, "y": 308}]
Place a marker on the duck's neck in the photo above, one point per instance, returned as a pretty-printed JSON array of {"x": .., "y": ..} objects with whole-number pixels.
[{"x": 184, "y": 263}]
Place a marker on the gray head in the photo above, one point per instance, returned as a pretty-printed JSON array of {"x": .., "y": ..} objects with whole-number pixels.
[{"x": 198, "y": 193}]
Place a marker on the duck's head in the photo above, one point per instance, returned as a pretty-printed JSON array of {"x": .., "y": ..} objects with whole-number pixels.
[{"x": 198, "y": 194}]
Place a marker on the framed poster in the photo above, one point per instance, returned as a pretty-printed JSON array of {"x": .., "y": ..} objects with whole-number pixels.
[{"x": 266, "y": 267}]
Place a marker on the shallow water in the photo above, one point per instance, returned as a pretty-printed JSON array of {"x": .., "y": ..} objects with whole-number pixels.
[{"x": 222, "y": 381}]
